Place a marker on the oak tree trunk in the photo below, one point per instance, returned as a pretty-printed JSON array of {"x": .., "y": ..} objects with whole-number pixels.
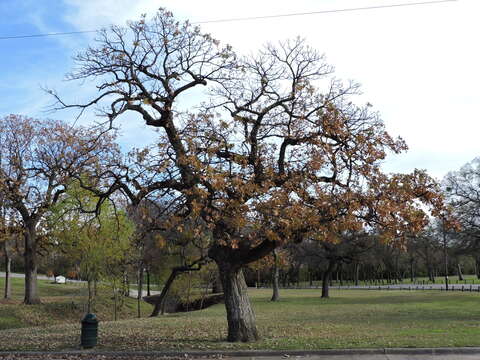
[
  {"x": 240, "y": 316},
  {"x": 326, "y": 278},
  {"x": 31, "y": 266},
  {"x": 275, "y": 276}
]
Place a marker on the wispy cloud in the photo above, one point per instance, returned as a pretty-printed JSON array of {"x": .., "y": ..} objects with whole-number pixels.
[{"x": 93, "y": 14}]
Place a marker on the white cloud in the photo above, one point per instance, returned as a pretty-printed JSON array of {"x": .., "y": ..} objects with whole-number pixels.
[{"x": 418, "y": 64}]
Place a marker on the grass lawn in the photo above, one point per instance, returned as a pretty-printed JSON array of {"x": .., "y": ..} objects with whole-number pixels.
[
  {"x": 301, "y": 320},
  {"x": 61, "y": 303}
]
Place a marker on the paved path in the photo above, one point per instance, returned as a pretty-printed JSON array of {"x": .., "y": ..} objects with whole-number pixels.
[
  {"x": 451, "y": 287},
  {"x": 18, "y": 275},
  {"x": 134, "y": 293},
  {"x": 374, "y": 357}
]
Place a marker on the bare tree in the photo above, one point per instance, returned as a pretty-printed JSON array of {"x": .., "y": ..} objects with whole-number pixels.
[{"x": 462, "y": 189}]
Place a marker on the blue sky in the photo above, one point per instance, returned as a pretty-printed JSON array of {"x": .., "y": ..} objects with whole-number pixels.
[
  {"x": 418, "y": 65},
  {"x": 31, "y": 63}
]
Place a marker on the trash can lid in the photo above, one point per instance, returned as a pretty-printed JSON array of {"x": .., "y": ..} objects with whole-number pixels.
[{"x": 90, "y": 318}]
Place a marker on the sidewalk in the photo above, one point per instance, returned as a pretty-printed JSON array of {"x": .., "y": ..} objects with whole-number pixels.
[{"x": 337, "y": 354}]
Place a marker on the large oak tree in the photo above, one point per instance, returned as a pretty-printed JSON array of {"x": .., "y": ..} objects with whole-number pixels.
[{"x": 275, "y": 145}]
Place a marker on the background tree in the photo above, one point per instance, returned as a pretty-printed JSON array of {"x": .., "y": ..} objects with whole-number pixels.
[
  {"x": 270, "y": 266},
  {"x": 147, "y": 241},
  {"x": 186, "y": 254},
  {"x": 38, "y": 160},
  {"x": 462, "y": 189},
  {"x": 10, "y": 232},
  {"x": 98, "y": 242}
]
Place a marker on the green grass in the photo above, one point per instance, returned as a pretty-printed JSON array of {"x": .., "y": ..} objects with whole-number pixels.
[
  {"x": 301, "y": 320},
  {"x": 61, "y": 303}
]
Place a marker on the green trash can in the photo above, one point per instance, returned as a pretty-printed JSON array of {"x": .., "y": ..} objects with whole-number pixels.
[{"x": 89, "y": 331}]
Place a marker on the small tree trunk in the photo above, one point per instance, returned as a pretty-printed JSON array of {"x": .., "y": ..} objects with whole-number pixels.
[
  {"x": 217, "y": 284},
  {"x": 147, "y": 270},
  {"x": 459, "y": 270},
  {"x": 477, "y": 267},
  {"x": 115, "y": 300},
  {"x": 209, "y": 282},
  {"x": 8, "y": 261},
  {"x": 339, "y": 272},
  {"x": 31, "y": 266},
  {"x": 240, "y": 316},
  {"x": 297, "y": 276},
  {"x": 126, "y": 284},
  {"x": 189, "y": 289},
  {"x": 90, "y": 296},
  {"x": 8, "y": 286},
  {"x": 412, "y": 277},
  {"x": 357, "y": 273},
  {"x": 275, "y": 276},
  {"x": 326, "y": 278},
  {"x": 140, "y": 289},
  {"x": 431, "y": 276}
]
